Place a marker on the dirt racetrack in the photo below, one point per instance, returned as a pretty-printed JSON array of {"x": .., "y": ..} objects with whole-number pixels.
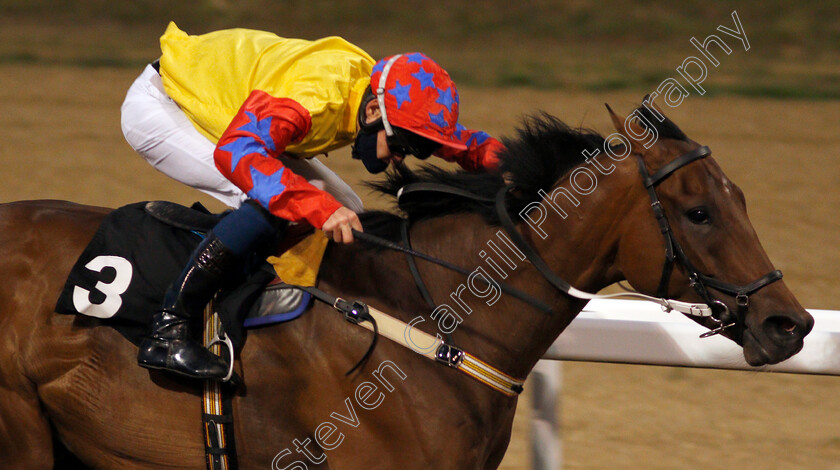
[{"x": 60, "y": 138}]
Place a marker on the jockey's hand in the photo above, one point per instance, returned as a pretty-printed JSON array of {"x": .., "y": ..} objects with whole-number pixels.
[{"x": 340, "y": 224}]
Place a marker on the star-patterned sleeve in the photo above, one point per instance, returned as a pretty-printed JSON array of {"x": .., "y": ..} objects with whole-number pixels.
[
  {"x": 247, "y": 154},
  {"x": 482, "y": 153}
]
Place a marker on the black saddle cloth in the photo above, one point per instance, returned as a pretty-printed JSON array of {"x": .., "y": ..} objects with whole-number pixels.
[{"x": 121, "y": 276}]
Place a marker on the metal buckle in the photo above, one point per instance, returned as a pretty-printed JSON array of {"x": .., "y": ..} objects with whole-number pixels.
[
  {"x": 450, "y": 355},
  {"x": 355, "y": 313},
  {"x": 693, "y": 279},
  {"x": 358, "y": 313},
  {"x": 658, "y": 210}
]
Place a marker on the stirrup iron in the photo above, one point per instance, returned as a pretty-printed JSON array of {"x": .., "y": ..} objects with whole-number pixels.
[{"x": 223, "y": 338}]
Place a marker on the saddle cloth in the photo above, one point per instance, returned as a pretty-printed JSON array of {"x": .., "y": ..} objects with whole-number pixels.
[{"x": 122, "y": 274}]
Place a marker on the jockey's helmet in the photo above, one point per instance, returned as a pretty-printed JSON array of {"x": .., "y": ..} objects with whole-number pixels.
[{"x": 415, "y": 94}]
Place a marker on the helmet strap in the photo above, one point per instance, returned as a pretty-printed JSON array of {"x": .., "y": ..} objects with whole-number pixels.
[{"x": 380, "y": 94}]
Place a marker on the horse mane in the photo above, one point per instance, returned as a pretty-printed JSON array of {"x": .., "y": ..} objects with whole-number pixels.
[{"x": 542, "y": 150}]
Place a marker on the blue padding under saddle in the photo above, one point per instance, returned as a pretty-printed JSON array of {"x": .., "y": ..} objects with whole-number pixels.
[{"x": 280, "y": 317}]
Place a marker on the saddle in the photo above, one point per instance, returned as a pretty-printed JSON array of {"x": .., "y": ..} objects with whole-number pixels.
[
  {"x": 296, "y": 263},
  {"x": 121, "y": 276}
]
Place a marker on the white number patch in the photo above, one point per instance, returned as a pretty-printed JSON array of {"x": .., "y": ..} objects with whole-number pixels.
[{"x": 112, "y": 290}]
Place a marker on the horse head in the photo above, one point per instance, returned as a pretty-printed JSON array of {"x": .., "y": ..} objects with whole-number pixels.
[{"x": 711, "y": 253}]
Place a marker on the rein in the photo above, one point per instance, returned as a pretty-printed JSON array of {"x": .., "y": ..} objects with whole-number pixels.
[
  {"x": 712, "y": 308},
  {"x": 693, "y": 309},
  {"x": 444, "y": 352},
  {"x": 510, "y": 290},
  {"x": 405, "y": 335}
]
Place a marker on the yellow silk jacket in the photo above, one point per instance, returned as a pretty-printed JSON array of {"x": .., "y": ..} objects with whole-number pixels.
[{"x": 211, "y": 75}]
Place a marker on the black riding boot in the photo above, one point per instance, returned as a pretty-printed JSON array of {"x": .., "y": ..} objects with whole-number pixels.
[{"x": 171, "y": 345}]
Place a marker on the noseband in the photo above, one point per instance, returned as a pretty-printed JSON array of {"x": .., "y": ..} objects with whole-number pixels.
[
  {"x": 711, "y": 307},
  {"x": 721, "y": 316},
  {"x": 461, "y": 360}
]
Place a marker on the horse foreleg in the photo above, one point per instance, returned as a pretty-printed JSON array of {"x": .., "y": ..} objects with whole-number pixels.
[{"x": 25, "y": 435}]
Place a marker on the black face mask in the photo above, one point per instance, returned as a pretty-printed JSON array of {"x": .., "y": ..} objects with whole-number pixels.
[{"x": 364, "y": 149}]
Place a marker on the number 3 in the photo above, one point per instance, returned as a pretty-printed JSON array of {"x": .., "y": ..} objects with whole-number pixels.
[{"x": 112, "y": 290}]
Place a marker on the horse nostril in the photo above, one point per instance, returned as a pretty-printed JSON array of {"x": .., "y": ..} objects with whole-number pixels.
[{"x": 783, "y": 328}]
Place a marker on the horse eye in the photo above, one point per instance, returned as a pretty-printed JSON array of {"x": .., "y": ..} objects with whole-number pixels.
[{"x": 699, "y": 216}]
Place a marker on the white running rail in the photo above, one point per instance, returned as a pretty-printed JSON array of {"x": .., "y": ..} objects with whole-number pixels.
[{"x": 638, "y": 332}]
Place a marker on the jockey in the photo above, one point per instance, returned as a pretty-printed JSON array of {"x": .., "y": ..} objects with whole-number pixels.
[{"x": 241, "y": 114}]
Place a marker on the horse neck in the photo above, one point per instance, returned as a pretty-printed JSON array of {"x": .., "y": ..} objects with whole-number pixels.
[
  {"x": 502, "y": 330},
  {"x": 375, "y": 275},
  {"x": 499, "y": 329}
]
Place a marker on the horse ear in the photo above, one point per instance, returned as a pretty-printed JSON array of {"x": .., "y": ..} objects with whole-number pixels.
[
  {"x": 647, "y": 101},
  {"x": 632, "y": 131},
  {"x": 616, "y": 120},
  {"x": 618, "y": 123}
]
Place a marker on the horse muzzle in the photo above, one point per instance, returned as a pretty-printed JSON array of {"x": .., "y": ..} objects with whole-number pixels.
[{"x": 776, "y": 337}]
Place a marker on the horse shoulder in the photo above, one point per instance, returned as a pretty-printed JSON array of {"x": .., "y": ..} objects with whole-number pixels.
[{"x": 39, "y": 242}]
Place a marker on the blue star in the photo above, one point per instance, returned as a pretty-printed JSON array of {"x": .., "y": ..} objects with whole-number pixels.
[
  {"x": 458, "y": 129},
  {"x": 401, "y": 92},
  {"x": 266, "y": 186},
  {"x": 415, "y": 57},
  {"x": 478, "y": 138},
  {"x": 240, "y": 147},
  {"x": 445, "y": 98},
  {"x": 245, "y": 145},
  {"x": 425, "y": 78},
  {"x": 380, "y": 66},
  {"x": 438, "y": 119}
]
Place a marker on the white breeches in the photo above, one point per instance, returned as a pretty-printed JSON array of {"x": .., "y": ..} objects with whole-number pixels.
[{"x": 160, "y": 132}]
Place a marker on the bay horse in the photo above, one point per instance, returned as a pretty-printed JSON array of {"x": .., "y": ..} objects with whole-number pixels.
[{"x": 70, "y": 384}]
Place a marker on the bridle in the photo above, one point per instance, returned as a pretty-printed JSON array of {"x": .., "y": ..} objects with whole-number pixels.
[
  {"x": 711, "y": 308},
  {"x": 722, "y": 317},
  {"x": 447, "y": 353}
]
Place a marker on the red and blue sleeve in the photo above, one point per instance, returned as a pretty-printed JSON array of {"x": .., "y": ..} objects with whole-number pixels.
[
  {"x": 247, "y": 154},
  {"x": 482, "y": 153}
]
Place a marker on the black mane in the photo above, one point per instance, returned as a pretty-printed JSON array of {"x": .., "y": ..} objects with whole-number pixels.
[{"x": 542, "y": 151}]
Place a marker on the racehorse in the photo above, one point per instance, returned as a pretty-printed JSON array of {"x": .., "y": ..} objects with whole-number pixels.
[{"x": 70, "y": 384}]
